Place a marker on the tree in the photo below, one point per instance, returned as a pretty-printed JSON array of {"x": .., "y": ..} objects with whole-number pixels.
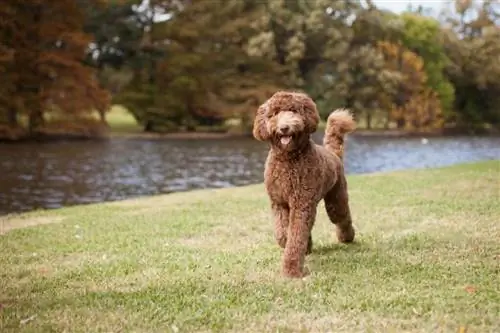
[
  {"x": 116, "y": 28},
  {"x": 46, "y": 70},
  {"x": 364, "y": 82},
  {"x": 204, "y": 75},
  {"x": 424, "y": 36},
  {"x": 208, "y": 61},
  {"x": 364, "y": 78},
  {"x": 413, "y": 106},
  {"x": 8, "y": 112},
  {"x": 473, "y": 44},
  {"x": 310, "y": 40}
]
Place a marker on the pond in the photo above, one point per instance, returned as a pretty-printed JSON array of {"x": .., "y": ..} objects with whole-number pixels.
[{"x": 51, "y": 175}]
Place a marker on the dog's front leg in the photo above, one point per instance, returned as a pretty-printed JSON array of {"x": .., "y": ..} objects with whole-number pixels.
[
  {"x": 299, "y": 231},
  {"x": 281, "y": 218}
]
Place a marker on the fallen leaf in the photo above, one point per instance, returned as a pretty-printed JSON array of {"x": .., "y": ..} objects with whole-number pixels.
[
  {"x": 27, "y": 320},
  {"x": 43, "y": 270},
  {"x": 470, "y": 289}
]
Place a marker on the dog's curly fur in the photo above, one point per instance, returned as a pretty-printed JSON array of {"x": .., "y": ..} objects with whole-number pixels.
[{"x": 299, "y": 174}]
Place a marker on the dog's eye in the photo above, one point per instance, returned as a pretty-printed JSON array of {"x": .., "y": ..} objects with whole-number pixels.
[{"x": 272, "y": 114}]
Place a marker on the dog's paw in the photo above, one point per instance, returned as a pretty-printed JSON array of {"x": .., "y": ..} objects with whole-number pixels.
[
  {"x": 296, "y": 274},
  {"x": 309, "y": 246},
  {"x": 346, "y": 235}
]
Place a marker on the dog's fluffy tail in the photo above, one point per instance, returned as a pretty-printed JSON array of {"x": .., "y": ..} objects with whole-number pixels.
[{"x": 340, "y": 122}]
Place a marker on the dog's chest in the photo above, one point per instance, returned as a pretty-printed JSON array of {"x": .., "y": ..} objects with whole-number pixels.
[
  {"x": 285, "y": 182},
  {"x": 280, "y": 183}
]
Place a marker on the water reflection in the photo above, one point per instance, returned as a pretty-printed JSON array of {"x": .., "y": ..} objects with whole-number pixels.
[{"x": 52, "y": 175}]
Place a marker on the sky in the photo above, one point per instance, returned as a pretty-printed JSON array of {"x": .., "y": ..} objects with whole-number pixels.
[
  {"x": 400, "y": 5},
  {"x": 395, "y": 5}
]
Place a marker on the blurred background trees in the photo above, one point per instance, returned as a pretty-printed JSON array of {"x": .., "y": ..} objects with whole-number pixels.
[
  {"x": 43, "y": 49},
  {"x": 180, "y": 65}
]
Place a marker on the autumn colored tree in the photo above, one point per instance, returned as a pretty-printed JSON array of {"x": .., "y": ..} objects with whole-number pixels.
[
  {"x": 424, "y": 36},
  {"x": 7, "y": 106},
  {"x": 45, "y": 70},
  {"x": 422, "y": 112},
  {"x": 413, "y": 106}
]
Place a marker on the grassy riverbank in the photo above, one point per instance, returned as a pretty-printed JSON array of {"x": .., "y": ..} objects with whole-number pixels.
[
  {"x": 123, "y": 125},
  {"x": 426, "y": 260},
  {"x": 120, "y": 123}
]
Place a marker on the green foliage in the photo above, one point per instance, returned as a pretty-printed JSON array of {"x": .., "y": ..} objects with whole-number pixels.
[
  {"x": 473, "y": 45},
  {"x": 424, "y": 36},
  {"x": 179, "y": 65},
  {"x": 310, "y": 40}
]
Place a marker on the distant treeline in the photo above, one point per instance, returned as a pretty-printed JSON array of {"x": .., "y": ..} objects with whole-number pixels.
[{"x": 181, "y": 64}]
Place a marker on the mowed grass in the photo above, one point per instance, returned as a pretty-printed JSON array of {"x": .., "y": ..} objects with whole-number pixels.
[
  {"x": 426, "y": 259},
  {"x": 120, "y": 120}
]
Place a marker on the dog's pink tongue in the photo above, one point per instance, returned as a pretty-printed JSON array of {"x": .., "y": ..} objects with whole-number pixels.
[{"x": 285, "y": 140}]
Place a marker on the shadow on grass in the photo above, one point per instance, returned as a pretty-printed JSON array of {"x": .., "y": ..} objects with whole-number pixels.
[{"x": 326, "y": 249}]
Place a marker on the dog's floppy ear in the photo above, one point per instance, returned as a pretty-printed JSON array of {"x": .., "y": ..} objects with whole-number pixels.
[
  {"x": 260, "y": 131},
  {"x": 310, "y": 114}
]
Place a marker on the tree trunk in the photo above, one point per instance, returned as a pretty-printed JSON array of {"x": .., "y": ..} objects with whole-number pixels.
[
  {"x": 148, "y": 127},
  {"x": 31, "y": 87},
  {"x": 400, "y": 123},
  {"x": 102, "y": 116},
  {"x": 369, "y": 120},
  {"x": 35, "y": 119},
  {"x": 387, "y": 121},
  {"x": 12, "y": 117}
]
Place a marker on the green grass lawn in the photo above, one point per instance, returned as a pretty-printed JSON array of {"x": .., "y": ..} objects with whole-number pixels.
[
  {"x": 120, "y": 120},
  {"x": 427, "y": 259}
]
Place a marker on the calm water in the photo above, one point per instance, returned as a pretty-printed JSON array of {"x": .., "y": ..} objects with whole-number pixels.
[{"x": 52, "y": 175}]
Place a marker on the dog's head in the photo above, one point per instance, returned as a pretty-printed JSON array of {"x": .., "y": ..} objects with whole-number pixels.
[{"x": 286, "y": 120}]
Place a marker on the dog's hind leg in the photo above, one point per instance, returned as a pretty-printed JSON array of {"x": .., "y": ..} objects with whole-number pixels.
[
  {"x": 281, "y": 214},
  {"x": 309, "y": 243},
  {"x": 337, "y": 208}
]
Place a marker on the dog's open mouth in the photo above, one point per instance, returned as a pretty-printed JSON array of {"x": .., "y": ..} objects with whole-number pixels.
[{"x": 285, "y": 140}]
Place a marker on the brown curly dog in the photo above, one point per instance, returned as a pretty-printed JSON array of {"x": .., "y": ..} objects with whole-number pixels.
[{"x": 299, "y": 173}]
